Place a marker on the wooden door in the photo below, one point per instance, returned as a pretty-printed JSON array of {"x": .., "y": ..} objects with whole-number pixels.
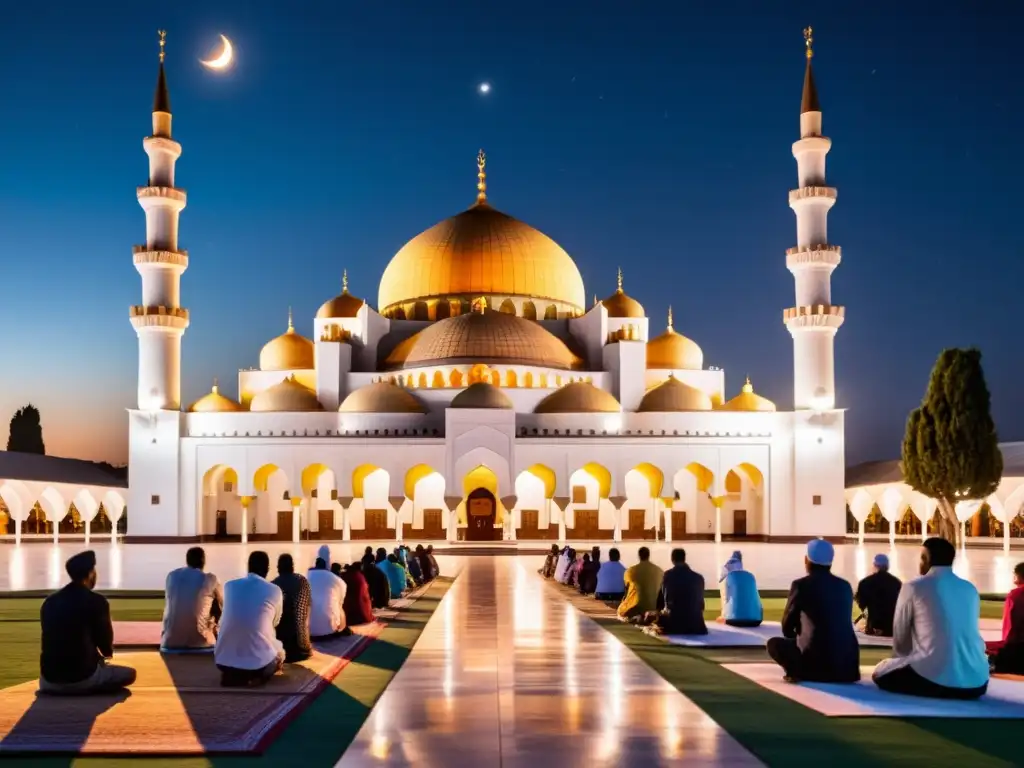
[
  {"x": 636, "y": 529},
  {"x": 284, "y": 525},
  {"x": 481, "y": 510},
  {"x": 222, "y": 524},
  {"x": 433, "y": 525},
  {"x": 325, "y": 523},
  {"x": 678, "y": 524},
  {"x": 739, "y": 522},
  {"x": 529, "y": 524}
]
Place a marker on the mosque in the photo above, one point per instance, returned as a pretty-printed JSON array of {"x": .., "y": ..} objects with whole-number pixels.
[{"x": 482, "y": 399}]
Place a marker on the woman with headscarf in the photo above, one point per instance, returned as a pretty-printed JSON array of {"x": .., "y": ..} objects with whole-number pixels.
[
  {"x": 357, "y": 605},
  {"x": 563, "y": 564},
  {"x": 587, "y": 578},
  {"x": 741, "y": 603},
  {"x": 573, "y": 570},
  {"x": 377, "y": 581}
]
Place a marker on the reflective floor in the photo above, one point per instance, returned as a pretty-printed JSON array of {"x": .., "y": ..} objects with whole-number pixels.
[
  {"x": 507, "y": 673},
  {"x": 145, "y": 566}
]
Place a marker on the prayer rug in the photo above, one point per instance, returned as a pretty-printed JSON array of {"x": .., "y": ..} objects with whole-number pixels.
[
  {"x": 176, "y": 707},
  {"x": 724, "y": 636},
  {"x": 1004, "y": 700},
  {"x": 137, "y": 634}
]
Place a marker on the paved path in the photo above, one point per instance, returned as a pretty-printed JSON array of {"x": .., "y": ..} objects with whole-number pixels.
[{"x": 507, "y": 673}]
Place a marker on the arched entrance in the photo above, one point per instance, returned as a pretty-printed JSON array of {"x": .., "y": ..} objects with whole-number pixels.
[{"x": 481, "y": 513}]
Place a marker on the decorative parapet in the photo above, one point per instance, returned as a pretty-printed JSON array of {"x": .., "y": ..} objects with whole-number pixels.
[
  {"x": 162, "y": 143},
  {"x": 142, "y": 254},
  {"x": 168, "y": 193},
  {"x": 820, "y": 254},
  {"x": 158, "y": 317},
  {"x": 806, "y": 193},
  {"x": 814, "y": 316},
  {"x": 336, "y": 333}
]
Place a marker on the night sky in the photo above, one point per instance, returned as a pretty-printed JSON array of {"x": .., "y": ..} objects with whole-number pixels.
[{"x": 652, "y": 135}]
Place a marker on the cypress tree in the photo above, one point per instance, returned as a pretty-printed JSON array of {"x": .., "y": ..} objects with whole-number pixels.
[
  {"x": 951, "y": 449},
  {"x": 26, "y": 432}
]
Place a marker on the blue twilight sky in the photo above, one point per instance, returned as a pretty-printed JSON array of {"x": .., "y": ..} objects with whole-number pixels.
[{"x": 654, "y": 134}]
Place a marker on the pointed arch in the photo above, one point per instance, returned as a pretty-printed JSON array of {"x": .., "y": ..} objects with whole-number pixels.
[
  {"x": 547, "y": 476},
  {"x": 529, "y": 310},
  {"x": 528, "y": 380},
  {"x": 480, "y": 476},
  {"x": 455, "y": 379},
  {"x": 311, "y": 477},
  {"x": 655, "y": 477},
  {"x": 261, "y": 477},
  {"x": 705, "y": 477},
  {"x": 422, "y": 383},
  {"x": 55, "y": 506},
  {"x": 603, "y": 477},
  {"x": 733, "y": 484},
  {"x": 510, "y": 378},
  {"x": 359, "y": 475},
  {"x": 84, "y": 502},
  {"x": 415, "y": 475},
  {"x": 438, "y": 382},
  {"x": 507, "y": 307}
]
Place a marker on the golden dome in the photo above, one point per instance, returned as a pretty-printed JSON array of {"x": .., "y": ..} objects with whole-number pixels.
[
  {"x": 673, "y": 395},
  {"x": 621, "y": 305},
  {"x": 382, "y": 397},
  {"x": 578, "y": 397},
  {"x": 288, "y": 352},
  {"x": 748, "y": 400},
  {"x": 483, "y": 337},
  {"x": 215, "y": 402},
  {"x": 672, "y": 350},
  {"x": 287, "y": 395},
  {"x": 481, "y": 252},
  {"x": 342, "y": 305},
  {"x": 481, "y": 395}
]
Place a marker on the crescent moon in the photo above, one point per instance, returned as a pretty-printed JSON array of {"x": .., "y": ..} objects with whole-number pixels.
[{"x": 223, "y": 60}]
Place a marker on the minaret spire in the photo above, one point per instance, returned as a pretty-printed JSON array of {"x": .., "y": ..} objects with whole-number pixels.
[
  {"x": 291, "y": 325},
  {"x": 669, "y": 328},
  {"x": 481, "y": 178},
  {"x": 161, "y": 99},
  {"x": 618, "y": 281},
  {"x": 809, "y": 102},
  {"x": 344, "y": 281}
]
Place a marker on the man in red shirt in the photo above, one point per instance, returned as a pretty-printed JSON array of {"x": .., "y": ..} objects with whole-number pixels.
[{"x": 1007, "y": 655}]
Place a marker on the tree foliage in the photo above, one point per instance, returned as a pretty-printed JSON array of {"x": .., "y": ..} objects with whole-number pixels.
[
  {"x": 26, "y": 435},
  {"x": 951, "y": 449}
]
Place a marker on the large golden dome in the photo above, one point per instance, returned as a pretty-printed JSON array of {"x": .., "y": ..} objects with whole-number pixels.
[
  {"x": 671, "y": 350},
  {"x": 748, "y": 400},
  {"x": 481, "y": 252},
  {"x": 483, "y": 337},
  {"x": 288, "y": 352},
  {"x": 287, "y": 395},
  {"x": 672, "y": 396},
  {"x": 579, "y": 397}
]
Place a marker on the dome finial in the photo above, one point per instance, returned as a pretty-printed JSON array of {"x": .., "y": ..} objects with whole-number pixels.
[
  {"x": 809, "y": 41},
  {"x": 669, "y": 318},
  {"x": 291, "y": 325},
  {"x": 344, "y": 281},
  {"x": 618, "y": 288},
  {"x": 215, "y": 389},
  {"x": 748, "y": 387},
  {"x": 161, "y": 100},
  {"x": 481, "y": 177},
  {"x": 809, "y": 102}
]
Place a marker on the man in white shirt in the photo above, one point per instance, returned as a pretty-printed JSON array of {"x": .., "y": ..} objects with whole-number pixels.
[
  {"x": 194, "y": 602},
  {"x": 248, "y": 652},
  {"x": 937, "y": 645},
  {"x": 611, "y": 578},
  {"x": 326, "y": 610}
]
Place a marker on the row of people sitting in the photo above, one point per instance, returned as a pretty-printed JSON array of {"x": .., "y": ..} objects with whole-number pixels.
[
  {"x": 251, "y": 625},
  {"x": 670, "y": 601}
]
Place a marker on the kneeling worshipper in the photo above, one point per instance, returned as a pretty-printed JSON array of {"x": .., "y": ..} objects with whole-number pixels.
[
  {"x": 876, "y": 596},
  {"x": 643, "y": 587},
  {"x": 293, "y": 629},
  {"x": 573, "y": 573},
  {"x": 550, "y": 563},
  {"x": 248, "y": 651},
  {"x": 357, "y": 605},
  {"x": 396, "y": 575},
  {"x": 377, "y": 581},
  {"x": 562, "y": 565},
  {"x": 78, "y": 637},
  {"x": 611, "y": 583},
  {"x": 435, "y": 569},
  {"x": 426, "y": 567},
  {"x": 327, "y": 599},
  {"x": 412, "y": 565},
  {"x": 682, "y": 593},
  {"x": 936, "y": 641},
  {"x": 194, "y": 601},
  {"x": 741, "y": 603},
  {"x": 1007, "y": 655},
  {"x": 588, "y": 575},
  {"x": 819, "y": 644}
]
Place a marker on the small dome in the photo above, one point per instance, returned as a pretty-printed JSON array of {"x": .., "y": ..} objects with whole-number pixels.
[
  {"x": 287, "y": 395},
  {"x": 288, "y": 352},
  {"x": 342, "y": 305},
  {"x": 621, "y": 305},
  {"x": 748, "y": 400},
  {"x": 483, "y": 394},
  {"x": 578, "y": 397},
  {"x": 673, "y": 351},
  {"x": 382, "y": 397},
  {"x": 215, "y": 402},
  {"x": 671, "y": 396},
  {"x": 483, "y": 337}
]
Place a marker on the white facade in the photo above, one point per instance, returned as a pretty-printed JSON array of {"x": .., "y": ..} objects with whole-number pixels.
[{"x": 707, "y": 469}]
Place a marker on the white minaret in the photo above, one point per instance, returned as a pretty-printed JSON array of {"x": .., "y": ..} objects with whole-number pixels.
[
  {"x": 159, "y": 320},
  {"x": 814, "y": 320}
]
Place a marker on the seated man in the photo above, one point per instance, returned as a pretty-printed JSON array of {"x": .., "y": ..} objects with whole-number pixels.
[
  {"x": 1007, "y": 655},
  {"x": 194, "y": 601},
  {"x": 435, "y": 570},
  {"x": 819, "y": 644},
  {"x": 937, "y": 647},
  {"x": 741, "y": 603},
  {"x": 78, "y": 637},
  {"x": 876, "y": 597},
  {"x": 327, "y": 600},
  {"x": 682, "y": 591},
  {"x": 550, "y": 561},
  {"x": 587, "y": 579},
  {"x": 412, "y": 565},
  {"x": 293, "y": 629},
  {"x": 643, "y": 586},
  {"x": 611, "y": 584},
  {"x": 377, "y": 581},
  {"x": 426, "y": 567},
  {"x": 396, "y": 575},
  {"x": 248, "y": 651},
  {"x": 358, "y": 608}
]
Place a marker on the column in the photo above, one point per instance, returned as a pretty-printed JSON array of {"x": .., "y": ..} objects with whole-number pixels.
[
  {"x": 17, "y": 532},
  {"x": 296, "y": 518},
  {"x": 246, "y": 500},
  {"x": 88, "y": 527}
]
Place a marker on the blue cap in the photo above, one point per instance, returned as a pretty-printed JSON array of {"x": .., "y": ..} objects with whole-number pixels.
[
  {"x": 820, "y": 552},
  {"x": 881, "y": 561}
]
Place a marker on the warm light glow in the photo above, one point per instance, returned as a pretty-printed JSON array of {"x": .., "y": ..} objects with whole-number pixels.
[{"x": 223, "y": 59}]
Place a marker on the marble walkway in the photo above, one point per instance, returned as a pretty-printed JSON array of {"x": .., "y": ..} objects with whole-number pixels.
[{"x": 507, "y": 673}]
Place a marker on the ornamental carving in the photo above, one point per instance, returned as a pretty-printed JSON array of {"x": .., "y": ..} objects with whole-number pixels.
[
  {"x": 170, "y": 193},
  {"x": 141, "y": 254},
  {"x": 805, "y": 193}
]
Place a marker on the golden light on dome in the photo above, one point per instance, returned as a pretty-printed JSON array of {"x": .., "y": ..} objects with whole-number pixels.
[
  {"x": 215, "y": 402},
  {"x": 672, "y": 351},
  {"x": 343, "y": 305},
  {"x": 286, "y": 395},
  {"x": 672, "y": 396},
  {"x": 621, "y": 305},
  {"x": 288, "y": 352},
  {"x": 748, "y": 400}
]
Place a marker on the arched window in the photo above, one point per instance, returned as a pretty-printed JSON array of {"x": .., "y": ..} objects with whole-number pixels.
[
  {"x": 443, "y": 309},
  {"x": 551, "y": 313},
  {"x": 507, "y": 307},
  {"x": 423, "y": 381},
  {"x": 543, "y": 383},
  {"x": 420, "y": 311},
  {"x": 510, "y": 379},
  {"x": 528, "y": 380},
  {"x": 438, "y": 382},
  {"x": 530, "y": 310},
  {"x": 455, "y": 379},
  {"x": 496, "y": 378}
]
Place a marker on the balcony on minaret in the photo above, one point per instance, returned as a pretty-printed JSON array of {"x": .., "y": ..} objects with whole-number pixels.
[
  {"x": 823, "y": 316},
  {"x": 817, "y": 256},
  {"x": 163, "y": 193},
  {"x": 825, "y": 194},
  {"x": 143, "y": 254},
  {"x": 170, "y": 318}
]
